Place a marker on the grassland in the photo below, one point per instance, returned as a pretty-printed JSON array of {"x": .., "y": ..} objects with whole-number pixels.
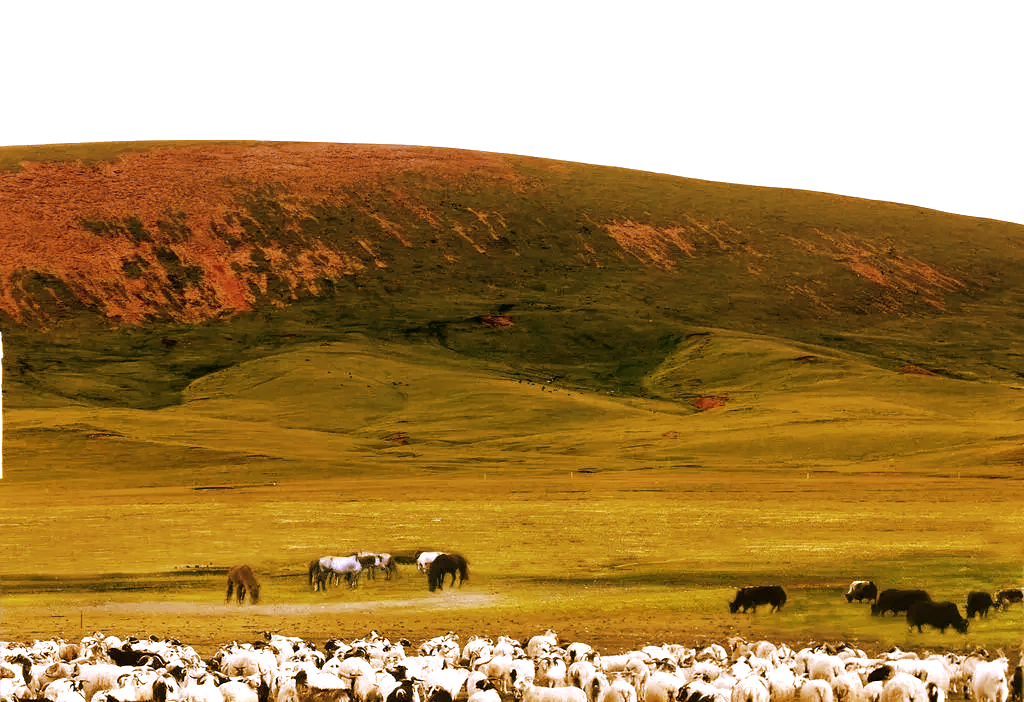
[
  {"x": 695, "y": 386},
  {"x": 620, "y": 520}
]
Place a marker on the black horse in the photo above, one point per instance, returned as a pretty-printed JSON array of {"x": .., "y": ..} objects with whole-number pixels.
[
  {"x": 447, "y": 564},
  {"x": 319, "y": 577}
]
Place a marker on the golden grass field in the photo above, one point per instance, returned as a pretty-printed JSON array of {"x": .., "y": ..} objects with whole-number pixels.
[{"x": 612, "y": 520}]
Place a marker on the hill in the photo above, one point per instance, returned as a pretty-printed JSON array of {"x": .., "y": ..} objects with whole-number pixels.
[{"x": 590, "y": 275}]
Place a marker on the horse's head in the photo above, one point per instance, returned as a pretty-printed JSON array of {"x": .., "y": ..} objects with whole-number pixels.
[{"x": 254, "y": 594}]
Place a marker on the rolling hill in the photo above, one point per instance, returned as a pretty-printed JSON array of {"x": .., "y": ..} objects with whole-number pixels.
[{"x": 166, "y": 295}]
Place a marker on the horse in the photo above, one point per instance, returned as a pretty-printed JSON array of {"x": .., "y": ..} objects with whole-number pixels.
[
  {"x": 337, "y": 568},
  {"x": 318, "y": 575},
  {"x": 424, "y": 559},
  {"x": 388, "y": 565},
  {"x": 370, "y": 562},
  {"x": 241, "y": 576},
  {"x": 445, "y": 564}
]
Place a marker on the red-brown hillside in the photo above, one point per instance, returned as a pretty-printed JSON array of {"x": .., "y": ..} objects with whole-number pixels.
[
  {"x": 46, "y": 210},
  {"x": 190, "y": 232}
]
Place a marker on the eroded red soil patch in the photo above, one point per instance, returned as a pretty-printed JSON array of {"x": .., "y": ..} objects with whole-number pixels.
[
  {"x": 497, "y": 321},
  {"x": 707, "y": 402}
]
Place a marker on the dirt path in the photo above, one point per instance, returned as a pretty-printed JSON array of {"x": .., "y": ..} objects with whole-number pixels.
[{"x": 442, "y": 601}]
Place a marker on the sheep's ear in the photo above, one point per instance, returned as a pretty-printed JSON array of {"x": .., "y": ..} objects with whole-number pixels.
[{"x": 512, "y": 675}]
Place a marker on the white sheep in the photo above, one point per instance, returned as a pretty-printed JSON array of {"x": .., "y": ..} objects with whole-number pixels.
[
  {"x": 847, "y": 687},
  {"x": 816, "y": 691},
  {"x": 551, "y": 671},
  {"x": 202, "y": 689},
  {"x": 750, "y": 689},
  {"x": 903, "y": 687},
  {"x": 618, "y": 690},
  {"x": 542, "y": 644},
  {"x": 781, "y": 684},
  {"x": 531, "y": 693},
  {"x": 663, "y": 686},
  {"x": 988, "y": 684}
]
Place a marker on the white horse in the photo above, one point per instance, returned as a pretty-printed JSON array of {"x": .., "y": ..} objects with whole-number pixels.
[
  {"x": 425, "y": 559},
  {"x": 348, "y": 568}
]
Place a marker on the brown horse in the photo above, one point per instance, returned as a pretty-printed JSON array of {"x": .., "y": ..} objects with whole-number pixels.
[{"x": 241, "y": 577}]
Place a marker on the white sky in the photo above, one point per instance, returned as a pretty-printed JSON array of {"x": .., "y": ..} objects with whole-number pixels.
[{"x": 915, "y": 102}]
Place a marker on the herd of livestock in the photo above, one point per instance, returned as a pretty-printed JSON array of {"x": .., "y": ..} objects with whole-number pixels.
[
  {"x": 918, "y": 605},
  {"x": 333, "y": 570},
  {"x": 374, "y": 669},
  {"x": 437, "y": 565}
]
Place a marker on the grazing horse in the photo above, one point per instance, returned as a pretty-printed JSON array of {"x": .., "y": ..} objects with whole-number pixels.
[
  {"x": 370, "y": 562},
  {"x": 241, "y": 576},
  {"x": 447, "y": 564},
  {"x": 337, "y": 568},
  {"x": 318, "y": 575},
  {"x": 388, "y": 565}
]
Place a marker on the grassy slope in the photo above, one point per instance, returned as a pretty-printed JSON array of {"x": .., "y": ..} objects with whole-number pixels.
[{"x": 337, "y": 407}]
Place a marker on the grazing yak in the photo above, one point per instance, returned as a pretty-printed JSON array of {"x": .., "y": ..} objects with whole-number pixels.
[
  {"x": 861, "y": 590},
  {"x": 751, "y": 597},
  {"x": 979, "y": 603},
  {"x": 940, "y": 615},
  {"x": 1005, "y": 598},
  {"x": 897, "y": 601}
]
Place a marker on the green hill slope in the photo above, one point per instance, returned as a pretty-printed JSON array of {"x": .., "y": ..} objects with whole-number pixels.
[{"x": 361, "y": 407}]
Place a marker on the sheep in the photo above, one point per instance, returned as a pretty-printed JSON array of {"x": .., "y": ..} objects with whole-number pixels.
[
  {"x": 497, "y": 668},
  {"x": 542, "y": 644},
  {"x": 551, "y": 671},
  {"x": 531, "y": 693},
  {"x": 99, "y": 677},
  {"x": 243, "y": 690},
  {"x": 750, "y": 689},
  {"x": 305, "y": 691},
  {"x": 522, "y": 669},
  {"x": 579, "y": 651},
  {"x": 816, "y": 691},
  {"x": 989, "y": 684},
  {"x": 450, "y": 679},
  {"x": 65, "y": 689},
  {"x": 662, "y": 686},
  {"x": 872, "y": 691},
  {"x": 202, "y": 689},
  {"x": 824, "y": 667},
  {"x": 701, "y": 691},
  {"x": 903, "y": 687},
  {"x": 406, "y": 691},
  {"x": 618, "y": 690},
  {"x": 715, "y": 653},
  {"x": 484, "y": 692},
  {"x": 781, "y": 684}
]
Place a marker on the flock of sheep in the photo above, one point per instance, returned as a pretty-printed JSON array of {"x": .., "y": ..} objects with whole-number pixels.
[{"x": 373, "y": 669}]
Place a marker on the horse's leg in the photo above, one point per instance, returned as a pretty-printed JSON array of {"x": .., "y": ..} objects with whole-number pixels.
[
  {"x": 241, "y": 593},
  {"x": 231, "y": 586}
]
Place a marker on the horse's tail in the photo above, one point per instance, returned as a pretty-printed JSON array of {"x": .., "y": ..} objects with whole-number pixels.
[{"x": 463, "y": 569}]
